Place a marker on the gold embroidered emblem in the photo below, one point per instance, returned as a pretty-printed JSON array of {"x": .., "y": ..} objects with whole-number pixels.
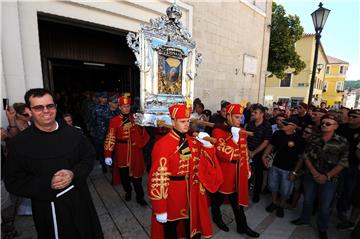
[
  {"x": 110, "y": 140},
  {"x": 160, "y": 181}
]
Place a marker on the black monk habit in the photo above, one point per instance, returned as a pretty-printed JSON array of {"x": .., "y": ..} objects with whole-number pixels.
[{"x": 34, "y": 157}]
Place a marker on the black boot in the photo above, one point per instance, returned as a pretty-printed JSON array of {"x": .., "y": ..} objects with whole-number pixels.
[
  {"x": 221, "y": 224},
  {"x": 128, "y": 196},
  {"x": 247, "y": 230},
  {"x": 240, "y": 218},
  {"x": 139, "y": 191},
  {"x": 217, "y": 218},
  {"x": 323, "y": 235},
  {"x": 125, "y": 182},
  {"x": 216, "y": 200}
]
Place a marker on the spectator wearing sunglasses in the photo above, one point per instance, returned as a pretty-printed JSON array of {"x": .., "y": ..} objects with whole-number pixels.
[
  {"x": 18, "y": 117},
  {"x": 325, "y": 156},
  {"x": 287, "y": 145},
  {"x": 351, "y": 131}
]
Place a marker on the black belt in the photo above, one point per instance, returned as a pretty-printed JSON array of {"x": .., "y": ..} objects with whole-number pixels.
[
  {"x": 122, "y": 141},
  {"x": 233, "y": 161},
  {"x": 178, "y": 178}
]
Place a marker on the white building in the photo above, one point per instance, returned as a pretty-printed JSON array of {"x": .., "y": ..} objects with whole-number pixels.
[{"x": 351, "y": 99}]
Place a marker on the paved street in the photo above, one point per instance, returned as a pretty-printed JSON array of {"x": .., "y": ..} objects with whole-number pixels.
[{"x": 121, "y": 219}]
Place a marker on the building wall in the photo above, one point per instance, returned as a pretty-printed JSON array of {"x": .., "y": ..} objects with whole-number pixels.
[
  {"x": 224, "y": 37},
  {"x": 300, "y": 83},
  {"x": 331, "y": 96},
  {"x": 20, "y": 45}
]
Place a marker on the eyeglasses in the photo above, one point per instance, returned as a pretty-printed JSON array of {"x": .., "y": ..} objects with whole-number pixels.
[
  {"x": 286, "y": 123},
  {"x": 354, "y": 116},
  {"x": 327, "y": 124},
  {"x": 25, "y": 114},
  {"x": 39, "y": 108},
  {"x": 307, "y": 132}
]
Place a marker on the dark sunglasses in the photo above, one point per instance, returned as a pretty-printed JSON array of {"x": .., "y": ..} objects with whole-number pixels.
[
  {"x": 307, "y": 132},
  {"x": 327, "y": 124},
  {"x": 25, "y": 115},
  {"x": 285, "y": 123},
  {"x": 39, "y": 108}
]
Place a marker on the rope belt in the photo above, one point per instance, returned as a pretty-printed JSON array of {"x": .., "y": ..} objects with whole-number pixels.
[{"x": 53, "y": 211}]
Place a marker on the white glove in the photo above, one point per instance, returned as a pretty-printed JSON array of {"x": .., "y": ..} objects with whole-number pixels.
[
  {"x": 162, "y": 217},
  {"x": 201, "y": 137},
  {"x": 108, "y": 161},
  {"x": 235, "y": 133}
]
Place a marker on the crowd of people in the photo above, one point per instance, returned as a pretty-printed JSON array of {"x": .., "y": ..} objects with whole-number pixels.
[{"x": 228, "y": 156}]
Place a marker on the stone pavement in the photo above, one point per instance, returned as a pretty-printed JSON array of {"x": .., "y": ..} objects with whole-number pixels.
[{"x": 121, "y": 219}]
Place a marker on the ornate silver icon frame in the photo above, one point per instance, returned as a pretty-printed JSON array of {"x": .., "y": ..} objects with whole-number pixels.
[{"x": 167, "y": 58}]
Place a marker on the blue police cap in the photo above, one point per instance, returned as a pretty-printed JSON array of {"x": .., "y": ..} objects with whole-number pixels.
[
  {"x": 113, "y": 99},
  {"x": 102, "y": 94}
]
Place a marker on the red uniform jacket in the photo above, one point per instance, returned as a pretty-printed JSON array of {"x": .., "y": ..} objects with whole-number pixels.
[
  {"x": 179, "y": 198},
  {"x": 124, "y": 142},
  {"x": 234, "y": 161}
]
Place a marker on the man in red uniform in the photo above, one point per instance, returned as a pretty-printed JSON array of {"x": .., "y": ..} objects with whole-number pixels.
[
  {"x": 124, "y": 141},
  {"x": 182, "y": 169},
  {"x": 231, "y": 150}
]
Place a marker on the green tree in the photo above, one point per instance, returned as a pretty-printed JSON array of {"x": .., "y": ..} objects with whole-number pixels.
[
  {"x": 285, "y": 31},
  {"x": 349, "y": 85}
]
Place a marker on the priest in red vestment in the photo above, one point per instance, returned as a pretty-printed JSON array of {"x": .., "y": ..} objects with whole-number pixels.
[
  {"x": 124, "y": 143},
  {"x": 231, "y": 150},
  {"x": 183, "y": 169}
]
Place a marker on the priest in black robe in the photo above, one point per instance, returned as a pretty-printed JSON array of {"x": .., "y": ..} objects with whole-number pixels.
[{"x": 49, "y": 163}]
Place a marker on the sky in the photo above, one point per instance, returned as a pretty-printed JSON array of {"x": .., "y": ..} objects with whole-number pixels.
[{"x": 341, "y": 34}]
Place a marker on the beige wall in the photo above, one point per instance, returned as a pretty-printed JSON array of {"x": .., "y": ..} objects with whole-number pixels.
[
  {"x": 20, "y": 42},
  {"x": 224, "y": 32}
]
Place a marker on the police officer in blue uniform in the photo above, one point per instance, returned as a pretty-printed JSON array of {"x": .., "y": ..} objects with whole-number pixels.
[{"x": 100, "y": 118}]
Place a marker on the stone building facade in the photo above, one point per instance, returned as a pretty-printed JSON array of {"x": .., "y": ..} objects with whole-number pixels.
[{"x": 233, "y": 37}]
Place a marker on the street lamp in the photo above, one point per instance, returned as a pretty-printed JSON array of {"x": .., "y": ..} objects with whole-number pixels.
[{"x": 319, "y": 19}]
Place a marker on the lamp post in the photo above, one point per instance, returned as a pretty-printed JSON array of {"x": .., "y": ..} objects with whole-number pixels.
[{"x": 319, "y": 18}]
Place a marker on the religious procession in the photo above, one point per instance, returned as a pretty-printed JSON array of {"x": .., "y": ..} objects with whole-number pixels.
[{"x": 154, "y": 162}]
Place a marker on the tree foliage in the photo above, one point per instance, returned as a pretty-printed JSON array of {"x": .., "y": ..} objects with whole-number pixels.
[
  {"x": 351, "y": 85},
  {"x": 285, "y": 31}
]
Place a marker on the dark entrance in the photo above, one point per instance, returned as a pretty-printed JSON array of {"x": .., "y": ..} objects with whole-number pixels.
[{"x": 80, "y": 56}]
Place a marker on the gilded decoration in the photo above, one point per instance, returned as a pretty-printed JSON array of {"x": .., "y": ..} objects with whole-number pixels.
[
  {"x": 110, "y": 140},
  {"x": 160, "y": 181},
  {"x": 167, "y": 58}
]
